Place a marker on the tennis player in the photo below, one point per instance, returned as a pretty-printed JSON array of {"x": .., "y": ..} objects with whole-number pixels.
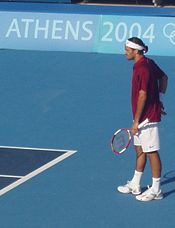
[{"x": 149, "y": 84}]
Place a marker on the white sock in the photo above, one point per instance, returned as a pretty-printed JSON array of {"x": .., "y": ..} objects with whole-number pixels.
[
  {"x": 137, "y": 177},
  {"x": 156, "y": 184}
]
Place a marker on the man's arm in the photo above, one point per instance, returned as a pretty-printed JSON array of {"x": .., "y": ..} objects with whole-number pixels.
[
  {"x": 163, "y": 82},
  {"x": 140, "y": 106}
]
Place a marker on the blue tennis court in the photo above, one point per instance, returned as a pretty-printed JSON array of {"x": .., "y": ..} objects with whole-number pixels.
[
  {"x": 59, "y": 110},
  {"x": 75, "y": 101}
]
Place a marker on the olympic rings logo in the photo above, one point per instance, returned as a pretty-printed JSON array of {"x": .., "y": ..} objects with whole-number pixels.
[{"x": 169, "y": 32}]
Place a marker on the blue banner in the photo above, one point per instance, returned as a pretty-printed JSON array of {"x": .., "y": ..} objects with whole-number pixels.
[
  {"x": 85, "y": 32},
  {"x": 158, "y": 33},
  {"x": 46, "y": 31}
]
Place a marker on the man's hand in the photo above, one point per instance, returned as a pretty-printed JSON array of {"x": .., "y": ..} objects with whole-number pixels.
[
  {"x": 134, "y": 128},
  {"x": 162, "y": 109}
]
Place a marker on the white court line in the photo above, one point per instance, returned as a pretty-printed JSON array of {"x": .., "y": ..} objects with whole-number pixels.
[
  {"x": 33, "y": 148},
  {"x": 40, "y": 169},
  {"x": 11, "y": 176}
]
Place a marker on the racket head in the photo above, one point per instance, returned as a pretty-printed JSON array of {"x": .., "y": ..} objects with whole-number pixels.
[{"x": 121, "y": 140}]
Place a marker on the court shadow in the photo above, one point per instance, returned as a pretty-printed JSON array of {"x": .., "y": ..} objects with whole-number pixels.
[{"x": 168, "y": 177}]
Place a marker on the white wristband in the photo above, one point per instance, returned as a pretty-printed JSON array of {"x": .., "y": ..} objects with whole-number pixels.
[{"x": 161, "y": 96}]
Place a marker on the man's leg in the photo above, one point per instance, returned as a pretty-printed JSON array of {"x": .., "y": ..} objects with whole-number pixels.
[
  {"x": 154, "y": 192},
  {"x": 140, "y": 159},
  {"x": 155, "y": 164},
  {"x": 133, "y": 186},
  {"x": 156, "y": 167},
  {"x": 140, "y": 165}
]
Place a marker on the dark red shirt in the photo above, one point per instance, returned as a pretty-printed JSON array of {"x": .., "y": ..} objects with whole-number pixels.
[{"x": 145, "y": 77}]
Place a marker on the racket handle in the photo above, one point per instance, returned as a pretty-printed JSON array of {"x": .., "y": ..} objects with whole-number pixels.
[{"x": 142, "y": 124}]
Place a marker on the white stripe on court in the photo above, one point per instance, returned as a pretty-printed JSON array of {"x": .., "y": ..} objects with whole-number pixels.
[
  {"x": 11, "y": 176},
  {"x": 33, "y": 148}
]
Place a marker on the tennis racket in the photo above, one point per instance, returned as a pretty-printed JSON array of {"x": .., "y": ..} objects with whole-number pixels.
[{"x": 122, "y": 138}]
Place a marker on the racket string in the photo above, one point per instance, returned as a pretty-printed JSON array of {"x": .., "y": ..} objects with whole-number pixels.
[{"x": 121, "y": 140}]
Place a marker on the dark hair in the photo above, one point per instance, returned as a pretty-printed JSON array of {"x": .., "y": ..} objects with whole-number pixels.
[{"x": 138, "y": 41}]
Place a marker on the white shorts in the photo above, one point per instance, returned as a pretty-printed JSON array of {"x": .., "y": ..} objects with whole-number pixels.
[{"x": 148, "y": 138}]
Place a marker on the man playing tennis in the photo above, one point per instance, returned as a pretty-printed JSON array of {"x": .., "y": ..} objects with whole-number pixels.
[{"x": 149, "y": 84}]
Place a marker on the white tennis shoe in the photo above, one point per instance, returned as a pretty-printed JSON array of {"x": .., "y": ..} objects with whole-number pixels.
[
  {"x": 130, "y": 187},
  {"x": 149, "y": 195}
]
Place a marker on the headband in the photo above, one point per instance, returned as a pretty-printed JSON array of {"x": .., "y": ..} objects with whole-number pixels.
[{"x": 134, "y": 46}]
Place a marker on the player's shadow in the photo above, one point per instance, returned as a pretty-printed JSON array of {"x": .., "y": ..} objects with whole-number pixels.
[{"x": 168, "y": 177}]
